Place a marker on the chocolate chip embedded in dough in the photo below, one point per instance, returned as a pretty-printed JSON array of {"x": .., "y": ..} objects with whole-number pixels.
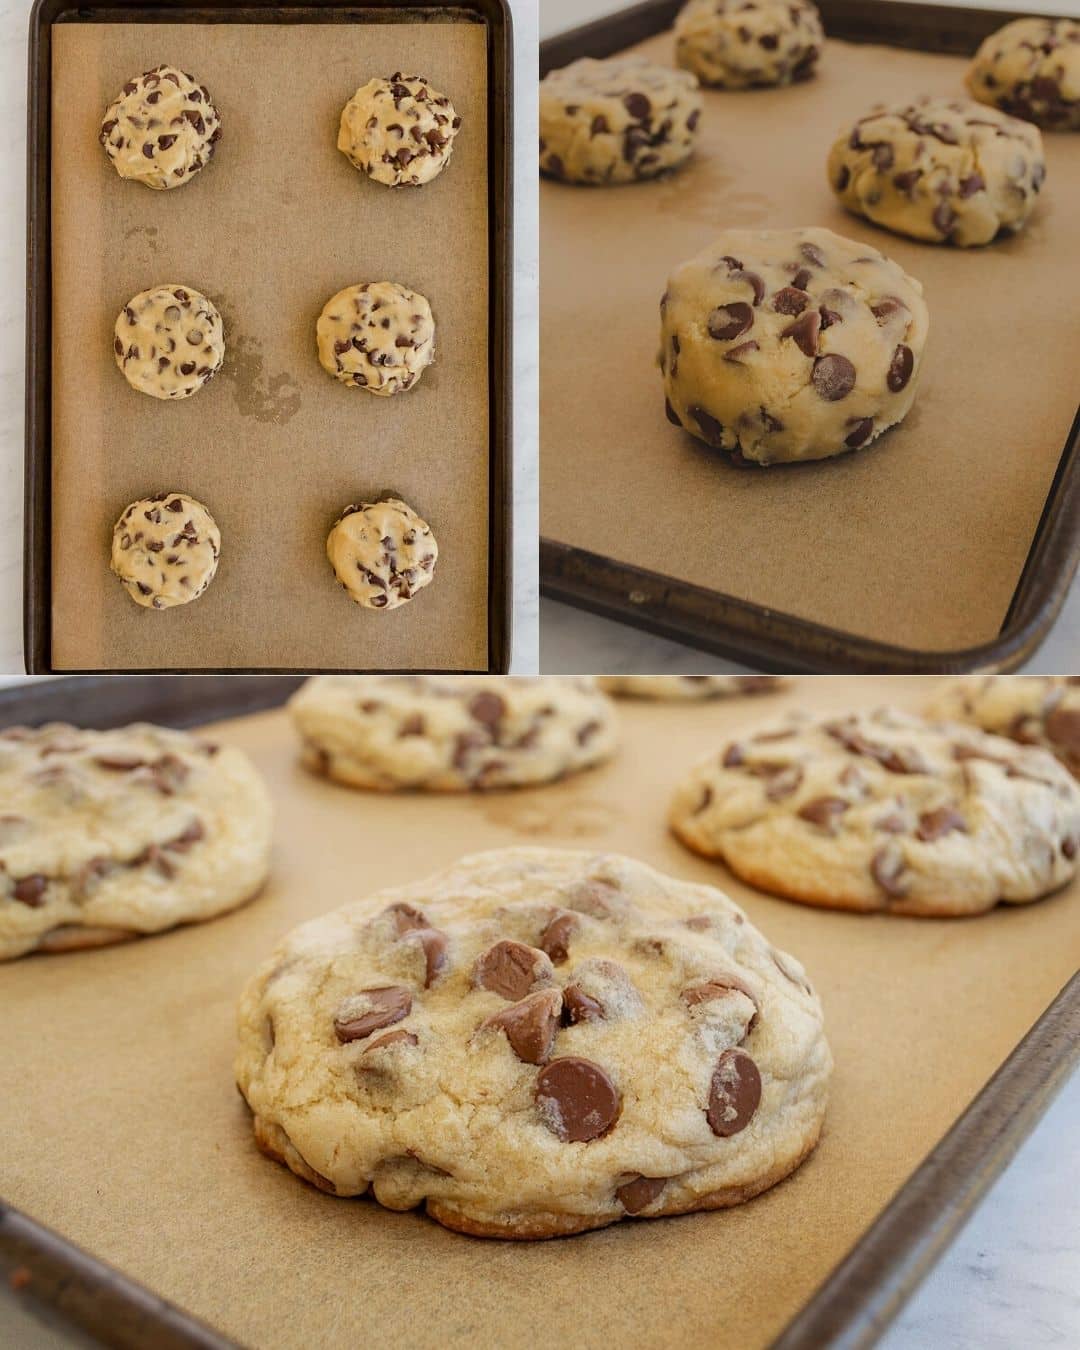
[
  {"x": 580, "y": 1007},
  {"x": 30, "y": 890},
  {"x": 730, "y": 321},
  {"x": 804, "y": 331},
  {"x": 638, "y": 1194},
  {"x": 637, "y": 105},
  {"x": 487, "y": 708},
  {"x": 530, "y": 1025},
  {"x": 399, "y": 1037},
  {"x": 790, "y": 300},
  {"x": 859, "y": 432},
  {"x": 734, "y": 1093},
  {"x": 371, "y": 1010},
  {"x": 900, "y": 368},
  {"x": 577, "y": 1100},
  {"x": 433, "y": 944},
  {"x": 823, "y": 811},
  {"x": 1063, "y": 730},
  {"x": 511, "y": 969},
  {"x": 555, "y": 939},
  {"x": 833, "y": 377},
  {"x": 708, "y": 425},
  {"x": 935, "y": 824},
  {"x": 887, "y": 868},
  {"x": 718, "y": 987}
]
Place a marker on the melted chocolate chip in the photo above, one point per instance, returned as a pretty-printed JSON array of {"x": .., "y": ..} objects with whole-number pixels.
[
  {"x": 555, "y": 939},
  {"x": 734, "y": 1093},
  {"x": 580, "y": 1007},
  {"x": 30, "y": 891},
  {"x": 887, "y": 868},
  {"x": 823, "y": 811},
  {"x": 638, "y": 1194},
  {"x": 530, "y": 1025},
  {"x": 789, "y": 300},
  {"x": 511, "y": 969},
  {"x": 577, "y": 1100},
  {"x": 389, "y": 1004},
  {"x": 730, "y": 321},
  {"x": 934, "y": 824}
]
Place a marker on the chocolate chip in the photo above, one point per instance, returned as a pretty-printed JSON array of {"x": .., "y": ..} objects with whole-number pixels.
[
  {"x": 900, "y": 368},
  {"x": 790, "y": 300},
  {"x": 555, "y": 939},
  {"x": 710, "y": 428},
  {"x": 843, "y": 178},
  {"x": 887, "y": 868},
  {"x": 733, "y": 756},
  {"x": 671, "y": 414},
  {"x": 804, "y": 330},
  {"x": 638, "y": 1194},
  {"x": 577, "y": 1100},
  {"x": 833, "y": 377},
  {"x": 718, "y": 987},
  {"x": 399, "y": 1037},
  {"x": 511, "y": 969},
  {"x": 487, "y": 708},
  {"x": 734, "y": 1093},
  {"x": 119, "y": 763},
  {"x": 1063, "y": 729},
  {"x": 754, "y": 281},
  {"x": 637, "y": 105},
  {"x": 530, "y": 1025},
  {"x": 433, "y": 944},
  {"x": 389, "y": 1004},
  {"x": 861, "y": 429},
  {"x": 883, "y": 156},
  {"x": 812, "y": 254},
  {"x": 30, "y": 891},
  {"x": 730, "y": 321},
  {"x": 934, "y": 824},
  {"x": 599, "y": 126},
  {"x": 944, "y": 218},
  {"x": 580, "y": 1007},
  {"x": 905, "y": 182},
  {"x": 736, "y": 354},
  {"x": 823, "y": 811},
  {"x": 971, "y": 184}
]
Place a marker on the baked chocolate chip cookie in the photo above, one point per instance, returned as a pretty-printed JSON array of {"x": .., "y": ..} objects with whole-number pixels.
[
  {"x": 885, "y": 812},
  {"x": 105, "y": 835},
  {"x": 1032, "y": 709},
  {"x": 161, "y": 129},
  {"x": 1031, "y": 69},
  {"x": 169, "y": 341},
  {"x": 165, "y": 550},
  {"x": 399, "y": 131},
  {"x": 740, "y": 44},
  {"x": 452, "y": 733},
  {"x": 377, "y": 336},
  {"x": 382, "y": 553},
  {"x": 535, "y": 1043},
  {"x": 681, "y": 688}
]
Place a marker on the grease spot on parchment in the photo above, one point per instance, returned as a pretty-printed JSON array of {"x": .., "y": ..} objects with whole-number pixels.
[
  {"x": 258, "y": 394},
  {"x": 537, "y": 818},
  {"x": 700, "y": 193}
]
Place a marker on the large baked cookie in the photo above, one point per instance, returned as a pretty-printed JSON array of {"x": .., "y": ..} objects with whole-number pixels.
[
  {"x": 885, "y": 812},
  {"x": 784, "y": 345},
  {"x": 161, "y": 129},
  {"x": 739, "y": 44},
  {"x": 450, "y": 733},
  {"x": 1032, "y": 709},
  {"x": 947, "y": 171},
  {"x": 682, "y": 688},
  {"x": 1031, "y": 69},
  {"x": 108, "y": 834},
  {"x": 535, "y": 1043}
]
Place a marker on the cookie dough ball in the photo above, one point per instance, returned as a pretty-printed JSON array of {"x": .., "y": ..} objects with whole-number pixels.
[
  {"x": 1032, "y": 709},
  {"x": 941, "y": 170},
  {"x": 782, "y": 345},
  {"x": 169, "y": 341},
  {"x": 399, "y": 131},
  {"x": 161, "y": 129},
  {"x": 452, "y": 733},
  {"x": 684, "y": 688},
  {"x": 378, "y": 336},
  {"x": 165, "y": 550},
  {"x": 1031, "y": 69},
  {"x": 885, "y": 812},
  {"x": 382, "y": 553},
  {"x": 616, "y": 121},
  {"x": 738, "y": 44},
  {"x": 631, "y": 1043},
  {"x": 108, "y": 834}
]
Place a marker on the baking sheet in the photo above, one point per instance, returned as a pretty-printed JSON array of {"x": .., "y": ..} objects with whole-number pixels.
[
  {"x": 129, "y": 1139},
  {"x": 918, "y": 541},
  {"x": 275, "y": 226}
]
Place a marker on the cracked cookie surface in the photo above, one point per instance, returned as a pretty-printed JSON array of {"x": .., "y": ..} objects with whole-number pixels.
[
  {"x": 169, "y": 341},
  {"x": 378, "y": 336},
  {"x": 161, "y": 129},
  {"x": 683, "y": 688},
  {"x": 741, "y": 44},
  {"x": 382, "y": 553},
  {"x": 1031, "y": 69},
  {"x": 451, "y": 733},
  {"x": 534, "y": 1043},
  {"x": 399, "y": 131},
  {"x": 108, "y": 834},
  {"x": 885, "y": 812},
  {"x": 165, "y": 550},
  {"x": 1032, "y": 709}
]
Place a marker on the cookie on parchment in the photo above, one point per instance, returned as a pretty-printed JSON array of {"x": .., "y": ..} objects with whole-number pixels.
[
  {"x": 378, "y": 336},
  {"x": 1031, "y": 69},
  {"x": 165, "y": 550},
  {"x": 683, "y": 688},
  {"x": 535, "y": 1043},
  {"x": 161, "y": 129},
  {"x": 399, "y": 131},
  {"x": 1032, "y": 709},
  {"x": 740, "y": 44},
  {"x": 382, "y": 553},
  {"x": 885, "y": 811},
  {"x": 169, "y": 341},
  {"x": 105, "y": 835},
  {"x": 451, "y": 733}
]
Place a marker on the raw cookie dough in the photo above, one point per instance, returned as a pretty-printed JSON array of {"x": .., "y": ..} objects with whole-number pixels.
[
  {"x": 379, "y": 336},
  {"x": 616, "y": 121},
  {"x": 161, "y": 129},
  {"x": 1032, "y": 709},
  {"x": 1031, "y": 69},
  {"x": 165, "y": 550},
  {"x": 399, "y": 131},
  {"x": 781, "y": 345},
  {"x": 169, "y": 341},
  {"x": 738, "y": 44},
  {"x": 885, "y": 812},
  {"x": 680, "y": 688},
  {"x": 942, "y": 170},
  {"x": 382, "y": 553},
  {"x": 108, "y": 834},
  {"x": 450, "y": 733},
  {"x": 535, "y": 1043}
]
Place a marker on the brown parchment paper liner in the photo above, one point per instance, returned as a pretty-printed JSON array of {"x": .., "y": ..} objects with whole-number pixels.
[
  {"x": 276, "y": 225},
  {"x": 123, "y": 1130},
  {"x": 918, "y": 541}
]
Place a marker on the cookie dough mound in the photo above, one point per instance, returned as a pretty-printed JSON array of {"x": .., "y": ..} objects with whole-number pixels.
[
  {"x": 378, "y": 336},
  {"x": 1032, "y": 709},
  {"x": 399, "y": 131},
  {"x": 450, "y": 733},
  {"x": 782, "y": 345},
  {"x": 161, "y": 129},
  {"x": 108, "y": 834},
  {"x": 169, "y": 341},
  {"x": 681, "y": 688},
  {"x": 1031, "y": 69},
  {"x": 382, "y": 553},
  {"x": 165, "y": 550},
  {"x": 734, "y": 44},
  {"x": 534, "y": 1043},
  {"x": 616, "y": 121},
  {"x": 941, "y": 170},
  {"x": 885, "y": 812}
]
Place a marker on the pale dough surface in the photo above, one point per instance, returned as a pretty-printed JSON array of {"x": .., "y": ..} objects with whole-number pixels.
[
  {"x": 616, "y": 121},
  {"x": 451, "y": 733},
  {"x": 471, "y": 1098},
  {"x": 942, "y": 170},
  {"x": 108, "y": 834},
  {"x": 399, "y": 131},
  {"x": 782, "y": 345},
  {"x": 740, "y": 44},
  {"x": 1033, "y": 709},
  {"x": 885, "y": 812},
  {"x": 161, "y": 129},
  {"x": 165, "y": 550},
  {"x": 382, "y": 553},
  {"x": 685, "y": 688},
  {"x": 169, "y": 341},
  {"x": 1031, "y": 69},
  {"x": 378, "y": 336}
]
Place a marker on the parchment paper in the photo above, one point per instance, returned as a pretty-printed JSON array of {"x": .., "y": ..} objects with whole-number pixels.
[
  {"x": 278, "y": 223},
  {"x": 919, "y": 540},
  {"x": 122, "y": 1128}
]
